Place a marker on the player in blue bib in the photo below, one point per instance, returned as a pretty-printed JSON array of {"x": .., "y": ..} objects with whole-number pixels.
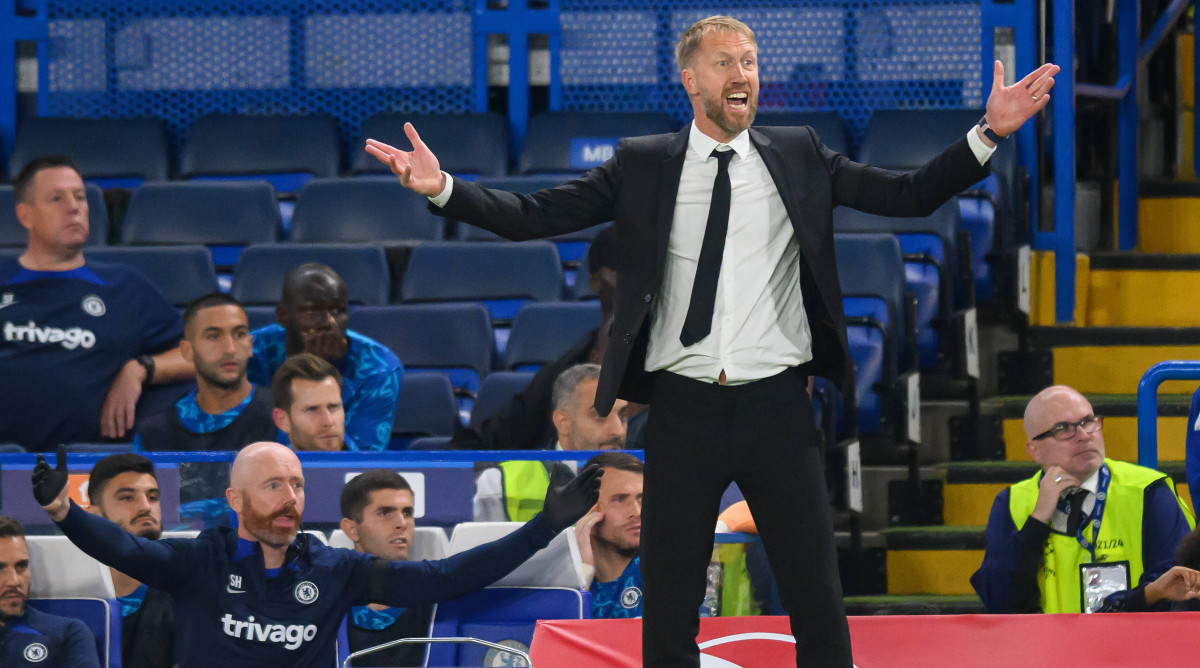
[
  {"x": 609, "y": 538},
  {"x": 314, "y": 319},
  {"x": 77, "y": 339}
]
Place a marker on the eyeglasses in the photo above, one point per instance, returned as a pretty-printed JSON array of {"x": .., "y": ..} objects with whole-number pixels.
[{"x": 1065, "y": 431}]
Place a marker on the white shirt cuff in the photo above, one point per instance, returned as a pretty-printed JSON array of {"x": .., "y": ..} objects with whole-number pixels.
[
  {"x": 441, "y": 198},
  {"x": 982, "y": 151}
]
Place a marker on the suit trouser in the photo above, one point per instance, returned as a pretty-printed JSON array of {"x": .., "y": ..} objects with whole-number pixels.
[{"x": 700, "y": 437}]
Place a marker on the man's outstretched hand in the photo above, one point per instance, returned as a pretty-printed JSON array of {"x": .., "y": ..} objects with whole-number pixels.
[
  {"x": 568, "y": 499},
  {"x": 1008, "y": 107},
  {"x": 50, "y": 485},
  {"x": 418, "y": 169}
]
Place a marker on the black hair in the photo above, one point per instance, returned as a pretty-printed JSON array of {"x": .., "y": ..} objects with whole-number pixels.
[
  {"x": 621, "y": 461},
  {"x": 11, "y": 528},
  {"x": 38, "y": 164},
  {"x": 114, "y": 465},
  {"x": 207, "y": 301},
  {"x": 357, "y": 493},
  {"x": 304, "y": 366}
]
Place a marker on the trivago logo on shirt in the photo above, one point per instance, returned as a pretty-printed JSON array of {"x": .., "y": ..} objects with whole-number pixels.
[
  {"x": 69, "y": 338},
  {"x": 291, "y": 636}
]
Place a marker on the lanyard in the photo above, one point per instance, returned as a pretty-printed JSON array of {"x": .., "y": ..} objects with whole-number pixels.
[{"x": 1097, "y": 513}]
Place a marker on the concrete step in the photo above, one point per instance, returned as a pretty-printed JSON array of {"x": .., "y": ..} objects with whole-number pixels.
[
  {"x": 1143, "y": 290},
  {"x": 932, "y": 560}
]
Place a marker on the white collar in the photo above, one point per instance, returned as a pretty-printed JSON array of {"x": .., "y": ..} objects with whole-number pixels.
[
  {"x": 1092, "y": 483},
  {"x": 704, "y": 145}
]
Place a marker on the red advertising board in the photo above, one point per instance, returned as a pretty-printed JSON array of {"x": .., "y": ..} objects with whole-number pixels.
[{"x": 979, "y": 641}]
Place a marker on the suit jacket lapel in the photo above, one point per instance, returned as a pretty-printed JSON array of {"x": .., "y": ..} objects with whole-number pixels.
[
  {"x": 790, "y": 191},
  {"x": 669, "y": 172}
]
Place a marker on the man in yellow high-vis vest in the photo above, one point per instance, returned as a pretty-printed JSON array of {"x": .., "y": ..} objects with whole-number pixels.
[{"x": 1085, "y": 533}]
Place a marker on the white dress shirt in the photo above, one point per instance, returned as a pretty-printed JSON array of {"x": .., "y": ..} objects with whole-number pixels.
[{"x": 759, "y": 324}]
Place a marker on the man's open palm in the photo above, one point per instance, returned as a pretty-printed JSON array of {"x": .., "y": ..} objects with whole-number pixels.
[{"x": 418, "y": 169}]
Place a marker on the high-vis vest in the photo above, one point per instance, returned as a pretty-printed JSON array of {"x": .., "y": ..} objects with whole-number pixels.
[
  {"x": 525, "y": 484},
  {"x": 1120, "y": 536}
]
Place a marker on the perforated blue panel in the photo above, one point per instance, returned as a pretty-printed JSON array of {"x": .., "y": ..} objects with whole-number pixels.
[
  {"x": 850, "y": 57},
  {"x": 179, "y": 59}
]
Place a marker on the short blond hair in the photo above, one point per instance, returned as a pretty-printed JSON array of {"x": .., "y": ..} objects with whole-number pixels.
[{"x": 689, "y": 42}]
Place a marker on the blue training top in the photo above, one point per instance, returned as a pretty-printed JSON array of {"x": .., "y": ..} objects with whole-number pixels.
[
  {"x": 621, "y": 598},
  {"x": 371, "y": 377},
  {"x": 64, "y": 335},
  {"x": 41, "y": 639},
  {"x": 231, "y": 612}
]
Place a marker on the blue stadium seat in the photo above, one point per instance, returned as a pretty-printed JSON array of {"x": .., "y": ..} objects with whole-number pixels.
[
  {"x": 223, "y": 216},
  {"x": 904, "y": 139},
  {"x": 573, "y": 142},
  {"x": 13, "y": 234},
  {"x": 499, "y": 614},
  {"x": 430, "y": 443},
  {"x": 260, "y": 316},
  {"x": 102, "y": 617},
  {"x": 542, "y": 333},
  {"x": 183, "y": 273},
  {"x": 467, "y": 145},
  {"x": 258, "y": 277},
  {"x": 426, "y": 408},
  {"x": 453, "y": 339},
  {"x": 285, "y": 150},
  {"x": 110, "y": 152},
  {"x": 501, "y": 276},
  {"x": 362, "y": 209},
  {"x": 931, "y": 265},
  {"x": 496, "y": 391},
  {"x": 871, "y": 272},
  {"x": 829, "y": 125},
  {"x": 581, "y": 289}
]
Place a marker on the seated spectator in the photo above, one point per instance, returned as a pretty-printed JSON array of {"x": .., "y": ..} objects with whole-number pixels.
[
  {"x": 80, "y": 339},
  {"x": 29, "y": 637},
  {"x": 377, "y": 514},
  {"x": 524, "y": 424},
  {"x": 124, "y": 490},
  {"x": 609, "y": 538},
  {"x": 307, "y": 392},
  {"x": 226, "y": 411},
  {"x": 1079, "y": 533},
  {"x": 513, "y": 491},
  {"x": 313, "y": 319}
]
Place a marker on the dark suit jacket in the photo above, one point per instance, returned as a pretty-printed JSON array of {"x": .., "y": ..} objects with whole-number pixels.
[{"x": 637, "y": 188}]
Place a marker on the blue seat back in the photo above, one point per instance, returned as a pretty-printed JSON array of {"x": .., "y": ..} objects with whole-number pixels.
[
  {"x": 908, "y": 138},
  {"x": 542, "y": 333},
  {"x": 830, "y": 127},
  {"x": 102, "y": 617},
  {"x": 496, "y": 391},
  {"x": 871, "y": 273},
  {"x": 112, "y": 152},
  {"x": 13, "y": 234},
  {"x": 183, "y": 273},
  {"x": 426, "y": 408},
  {"x": 456, "y": 271},
  {"x": 260, "y": 316},
  {"x": 212, "y": 214},
  {"x": 516, "y": 184},
  {"x": 467, "y": 145},
  {"x": 573, "y": 142},
  {"x": 913, "y": 233},
  {"x": 286, "y": 150},
  {"x": 258, "y": 277},
  {"x": 499, "y": 614},
  {"x": 455, "y": 339},
  {"x": 362, "y": 209}
]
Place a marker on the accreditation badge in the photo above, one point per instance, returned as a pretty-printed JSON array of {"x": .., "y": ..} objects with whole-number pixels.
[{"x": 1098, "y": 580}]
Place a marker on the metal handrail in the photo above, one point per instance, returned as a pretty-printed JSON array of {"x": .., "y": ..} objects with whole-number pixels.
[
  {"x": 1147, "y": 404},
  {"x": 424, "y": 641}
]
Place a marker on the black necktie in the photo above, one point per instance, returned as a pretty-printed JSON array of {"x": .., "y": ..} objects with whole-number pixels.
[
  {"x": 1075, "y": 515},
  {"x": 698, "y": 322}
]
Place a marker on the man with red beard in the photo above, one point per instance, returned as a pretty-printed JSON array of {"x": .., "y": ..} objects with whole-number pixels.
[
  {"x": 123, "y": 489},
  {"x": 610, "y": 536},
  {"x": 29, "y": 637},
  {"x": 265, "y": 594},
  {"x": 727, "y": 303}
]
